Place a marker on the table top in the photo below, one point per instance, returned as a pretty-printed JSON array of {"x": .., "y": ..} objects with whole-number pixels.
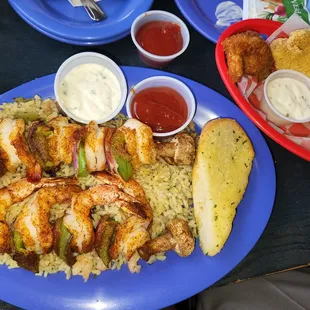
[{"x": 285, "y": 242}]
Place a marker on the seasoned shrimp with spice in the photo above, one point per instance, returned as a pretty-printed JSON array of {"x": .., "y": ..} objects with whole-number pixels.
[
  {"x": 14, "y": 150},
  {"x": 139, "y": 142},
  {"x": 133, "y": 233},
  {"x": 78, "y": 221},
  {"x": 94, "y": 147},
  {"x": 17, "y": 192},
  {"x": 64, "y": 139},
  {"x": 33, "y": 225}
]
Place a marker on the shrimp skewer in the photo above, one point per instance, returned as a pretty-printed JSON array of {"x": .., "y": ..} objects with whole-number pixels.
[
  {"x": 133, "y": 233},
  {"x": 55, "y": 142},
  {"x": 129, "y": 196},
  {"x": 129, "y": 147},
  {"x": 63, "y": 140},
  {"x": 33, "y": 225},
  {"x": 17, "y": 192},
  {"x": 94, "y": 147},
  {"x": 130, "y": 187},
  {"x": 78, "y": 221},
  {"x": 89, "y": 148},
  {"x": 14, "y": 150},
  {"x": 139, "y": 142}
]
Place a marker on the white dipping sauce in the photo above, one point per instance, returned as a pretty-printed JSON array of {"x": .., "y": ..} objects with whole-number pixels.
[
  {"x": 290, "y": 97},
  {"x": 90, "y": 92}
]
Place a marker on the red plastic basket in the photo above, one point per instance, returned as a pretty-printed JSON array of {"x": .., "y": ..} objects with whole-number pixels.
[{"x": 263, "y": 27}]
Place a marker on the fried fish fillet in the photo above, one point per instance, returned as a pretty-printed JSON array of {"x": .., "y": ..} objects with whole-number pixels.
[
  {"x": 294, "y": 52},
  {"x": 248, "y": 54}
]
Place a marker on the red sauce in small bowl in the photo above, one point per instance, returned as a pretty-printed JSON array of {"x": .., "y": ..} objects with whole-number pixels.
[
  {"x": 160, "y": 38},
  {"x": 162, "y": 108}
]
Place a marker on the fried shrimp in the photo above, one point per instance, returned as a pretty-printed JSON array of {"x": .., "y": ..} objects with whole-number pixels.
[
  {"x": 33, "y": 224},
  {"x": 17, "y": 192},
  {"x": 78, "y": 221},
  {"x": 248, "y": 54}
]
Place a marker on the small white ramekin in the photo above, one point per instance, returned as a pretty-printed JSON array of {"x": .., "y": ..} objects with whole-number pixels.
[
  {"x": 165, "y": 81},
  {"x": 150, "y": 59},
  {"x": 268, "y": 108},
  {"x": 90, "y": 58}
]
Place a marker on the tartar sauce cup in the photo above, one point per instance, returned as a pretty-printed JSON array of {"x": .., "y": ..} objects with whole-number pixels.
[
  {"x": 268, "y": 108},
  {"x": 90, "y": 58},
  {"x": 165, "y": 81},
  {"x": 150, "y": 59}
]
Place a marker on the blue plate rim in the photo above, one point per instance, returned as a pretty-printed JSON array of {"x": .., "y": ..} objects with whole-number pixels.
[
  {"x": 73, "y": 42},
  {"x": 48, "y": 29},
  {"x": 179, "y": 293},
  {"x": 197, "y": 19}
]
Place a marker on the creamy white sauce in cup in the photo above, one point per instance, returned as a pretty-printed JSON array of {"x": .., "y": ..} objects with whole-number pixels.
[
  {"x": 90, "y": 91},
  {"x": 290, "y": 97}
]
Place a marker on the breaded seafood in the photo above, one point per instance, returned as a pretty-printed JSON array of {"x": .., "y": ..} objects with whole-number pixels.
[
  {"x": 294, "y": 52},
  {"x": 248, "y": 54}
]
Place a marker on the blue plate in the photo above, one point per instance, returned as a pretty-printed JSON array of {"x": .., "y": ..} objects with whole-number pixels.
[
  {"x": 211, "y": 17},
  {"x": 59, "y": 20},
  {"x": 174, "y": 279}
]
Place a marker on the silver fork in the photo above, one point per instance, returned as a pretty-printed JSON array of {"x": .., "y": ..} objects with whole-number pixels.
[{"x": 93, "y": 10}]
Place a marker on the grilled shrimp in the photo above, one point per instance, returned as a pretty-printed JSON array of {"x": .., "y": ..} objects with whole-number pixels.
[
  {"x": 14, "y": 151},
  {"x": 130, "y": 187},
  {"x": 17, "y": 192},
  {"x": 5, "y": 238},
  {"x": 78, "y": 221},
  {"x": 94, "y": 147},
  {"x": 139, "y": 142},
  {"x": 64, "y": 139},
  {"x": 133, "y": 233},
  {"x": 32, "y": 223}
]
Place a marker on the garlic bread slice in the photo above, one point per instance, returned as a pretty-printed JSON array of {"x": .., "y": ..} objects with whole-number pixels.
[{"x": 220, "y": 176}]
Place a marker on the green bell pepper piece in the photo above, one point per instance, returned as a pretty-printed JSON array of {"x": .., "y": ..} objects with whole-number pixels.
[{"x": 82, "y": 172}]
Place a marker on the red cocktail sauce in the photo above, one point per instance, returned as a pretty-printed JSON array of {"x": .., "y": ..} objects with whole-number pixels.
[
  {"x": 160, "y": 38},
  {"x": 162, "y": 108}
]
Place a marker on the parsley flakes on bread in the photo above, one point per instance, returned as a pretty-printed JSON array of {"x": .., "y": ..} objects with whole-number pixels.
[{"x": 220, "y": 176}]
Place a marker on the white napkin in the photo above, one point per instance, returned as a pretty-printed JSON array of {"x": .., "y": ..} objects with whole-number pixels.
[{"x": 78, "y": 2}]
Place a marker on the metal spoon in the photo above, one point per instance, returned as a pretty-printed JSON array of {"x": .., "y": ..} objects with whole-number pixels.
[{"x": 93, "y": 10}]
